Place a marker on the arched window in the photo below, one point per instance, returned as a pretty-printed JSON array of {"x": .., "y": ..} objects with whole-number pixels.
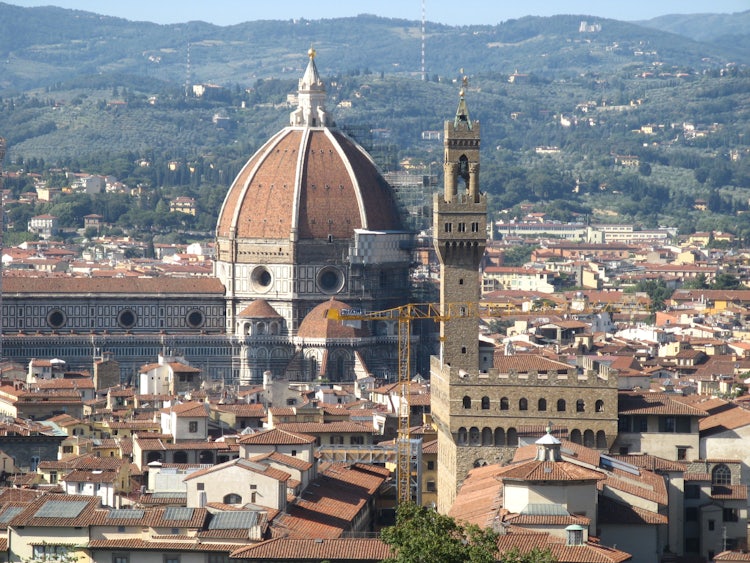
[
  {"x": 721, "y": 475},
  {"x": 523, "y": 404},
  {"x": 504, "y": 404},
  {"x": 467, "y": 402},
  {"x": 588, "y": 438},
  {"x": 485, "y": 403},
  {"x": 487, "y": 436},
  {"x": 153, "y": 456},
  {"x": 499, "y": 437},
  {"x": 475, "y": 438},
  {"x": 206, "y": 456},
  {"x": 541, "y": 405},
  {"x": 512, "y": 437},
  {"x": 180, "y": 456},
  {"x": 575, "y": 436},
  {"x": 232, "y": 498},
  {"x": 601, "y": 440},
  {"x": 580, "y": 405},
  {"x": 463, "y": 437},
  {"x": 599, "y": 406},
  {"x": 561, "y": 405}
]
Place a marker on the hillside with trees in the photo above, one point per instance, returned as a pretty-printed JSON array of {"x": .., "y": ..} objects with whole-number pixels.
[{"x": 602, "y": 120}]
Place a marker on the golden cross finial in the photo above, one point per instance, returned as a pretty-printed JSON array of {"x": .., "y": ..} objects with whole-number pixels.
[{"x": 311, "y": 52}]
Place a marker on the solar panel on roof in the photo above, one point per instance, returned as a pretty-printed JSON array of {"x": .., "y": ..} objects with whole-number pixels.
[
  {"x": 61, "y": 509},
  {"x": 544, "y": 509},
  {"x": 233, "y": 520},
  {"x": 10, "y": 513},
  {"x": 125, "y": 514},
  {"x": 169, "y": 495},
  {"x": 178, "y": 513}
]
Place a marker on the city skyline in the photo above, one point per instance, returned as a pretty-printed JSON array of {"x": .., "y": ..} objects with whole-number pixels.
[{"x": 473, "y": 12}]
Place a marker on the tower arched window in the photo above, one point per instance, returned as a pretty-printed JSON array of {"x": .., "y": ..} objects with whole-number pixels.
[
  {"x": 485, "y": 403},
  {"x": 599, "y": 406},
  {"x": 463, "y": 436},
  {"x": 588, "y": 438},
  {"x": 721, "y": 475},
  {"x": 487, "y": 437},
  {"x": 541, "y": 405},
  {"x": 467, "y": 402},
  {"x": 523, "y": 404},
  {"x": 475, "y": 437},
  {"x": 601, "y": 439},
  {"x": 561, "y": 405},
  {"x": 499, "y": 437},
  {"x": 504, "y": 405},
  {"x": 580, "y": 405},
  {"x": 512, "y": 437}
]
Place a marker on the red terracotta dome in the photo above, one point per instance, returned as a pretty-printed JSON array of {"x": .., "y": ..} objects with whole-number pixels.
[
  {"x": 309, "y": 181},
  {"x": 317, "y": 324}
]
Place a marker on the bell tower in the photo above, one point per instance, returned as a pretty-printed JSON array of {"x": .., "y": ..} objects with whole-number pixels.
[{"x": 459, "y": 235}]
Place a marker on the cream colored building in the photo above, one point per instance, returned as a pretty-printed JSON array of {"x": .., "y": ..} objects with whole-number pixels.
[{"x": 238, "y": 482}]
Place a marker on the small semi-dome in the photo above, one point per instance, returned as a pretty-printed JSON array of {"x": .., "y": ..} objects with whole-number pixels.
[
  {"x": 259, "y": 309},
  {"x": 316, "y": 323},
  {"x": 309, "y": 181}
]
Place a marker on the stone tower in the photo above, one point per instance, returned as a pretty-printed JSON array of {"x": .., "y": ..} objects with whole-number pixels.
[{"x": 459, "y": 234}]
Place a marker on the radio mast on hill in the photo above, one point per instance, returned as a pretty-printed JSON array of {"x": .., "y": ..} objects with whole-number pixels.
[{"x": 424, "y": 73}]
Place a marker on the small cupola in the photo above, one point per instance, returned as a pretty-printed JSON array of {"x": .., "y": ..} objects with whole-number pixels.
[{"x": 548, "y": 447}]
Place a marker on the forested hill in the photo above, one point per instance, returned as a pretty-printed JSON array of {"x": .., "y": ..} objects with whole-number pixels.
[
  {"x": 581, "y": 116},
  {"x": 41, "y": 46}
]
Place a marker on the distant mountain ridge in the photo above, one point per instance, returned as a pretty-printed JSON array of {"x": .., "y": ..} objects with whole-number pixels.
[
  {"x": 731, "y": 31},
  {"x": 41, "y": 46}
]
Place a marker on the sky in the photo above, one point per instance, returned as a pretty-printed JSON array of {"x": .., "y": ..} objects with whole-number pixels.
[{"x": 229, "y": 12}]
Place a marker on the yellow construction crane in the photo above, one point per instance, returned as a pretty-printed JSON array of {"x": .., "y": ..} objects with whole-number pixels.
[{"x": 405, "y": 314}]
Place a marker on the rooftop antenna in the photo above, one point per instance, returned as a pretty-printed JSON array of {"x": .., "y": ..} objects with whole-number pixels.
[
  {"x": 187, "y": 72},
  {"x": 424, "y": 73}
]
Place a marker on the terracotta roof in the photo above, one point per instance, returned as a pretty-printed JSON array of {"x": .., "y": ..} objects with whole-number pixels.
[
  {"x": 316, "y": 323},
  {"x": 315, "y": 181},
  {"x": 654, "y": 404},
  {"x": 730, "y": 556},
  {"x": 730, "y": 418},
  {"x": 610, "y": 511},
  {"x": 480, "y": 498},
  {"x": 259, "y": 309},
  {"x": 524, "y": 363},
  {"x": 189, "y": 410},
  {"x": 548, "y": 471},
  {"x": 249, "y": 410},
  {"x": 328, "y": 507},
  {"x": 276, "y": 436},
  {"x": 133, "y": 286},
  {"x": 56, "y": 510},
  {"x": 351, "y": 549},
  {"x": 650, "y": 462},
  {"x": 729, "y": 492},
  {"x": 343, "y": 426},
  {"x": 587, "y": 553},
  {"x": 90, "y": 477},
  {"x": 248, "y": 465},
  {"x": 187, "y": 544},
  {"x": 281, "y": 459}
]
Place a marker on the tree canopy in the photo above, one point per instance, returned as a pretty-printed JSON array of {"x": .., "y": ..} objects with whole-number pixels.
[{"x": 423, "y": 535}]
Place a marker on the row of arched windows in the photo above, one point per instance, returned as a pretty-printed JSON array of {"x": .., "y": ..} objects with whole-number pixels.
[
  {"x": 502, "y": 437},
  {"x": 541, "y": 405}
]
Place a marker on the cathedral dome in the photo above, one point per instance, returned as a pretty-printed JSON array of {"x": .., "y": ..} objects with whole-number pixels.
[
  {"x": 309, "y": 181},
  {"x": 317, "y": 324}
]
